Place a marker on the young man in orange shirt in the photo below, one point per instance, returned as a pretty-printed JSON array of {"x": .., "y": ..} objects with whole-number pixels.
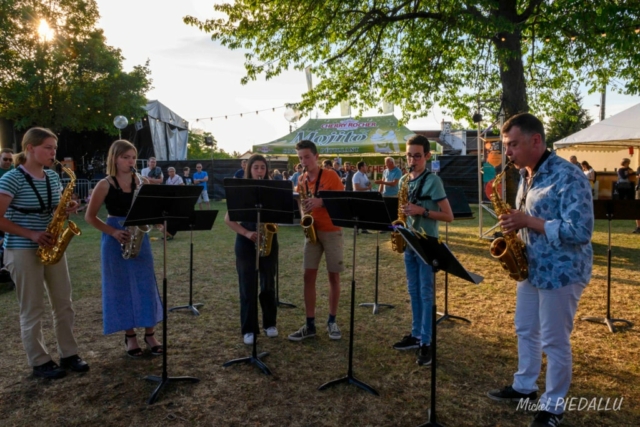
[{"x": 329, "y": 241}]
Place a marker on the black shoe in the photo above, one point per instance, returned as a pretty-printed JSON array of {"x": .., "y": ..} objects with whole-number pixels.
[
  {"x": 636, "y": 231},
  {"x": 546, "y": 419},
  {"x": 135, "y": 353},
  {"x": 407, "y": 342},
  {"x": 508, "y": 394},
  {"x": 75, "y": 363},
  {"x": 49, "y": 370},
  {"x": 156, "y": 350},
  {"x": 424, "y": 355}
]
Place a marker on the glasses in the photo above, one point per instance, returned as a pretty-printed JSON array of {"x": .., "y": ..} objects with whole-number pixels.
[
  {"x": 198, "y": 167},
  {"x": 415, "y": 156},
  {"x": 5, "y": 159}
]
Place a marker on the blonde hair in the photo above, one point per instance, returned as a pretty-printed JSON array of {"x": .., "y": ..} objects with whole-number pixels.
[
  {"x": 34, "y": 137},
  {"x": 117, "y": 149}
]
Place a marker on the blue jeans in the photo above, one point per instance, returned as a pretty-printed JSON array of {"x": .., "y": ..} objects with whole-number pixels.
[{"x": 420, "y": 286}]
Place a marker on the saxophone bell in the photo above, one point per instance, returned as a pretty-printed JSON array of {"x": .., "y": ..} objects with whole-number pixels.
[{"x": 131, "y": 249}]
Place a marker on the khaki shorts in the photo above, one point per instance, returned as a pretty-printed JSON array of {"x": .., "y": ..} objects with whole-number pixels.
[
  {"x": 204, "y": 197},
  {"x": 330, "y": 242}
]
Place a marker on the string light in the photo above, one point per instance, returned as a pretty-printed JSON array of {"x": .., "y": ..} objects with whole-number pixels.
[{"x": 226, "y": 116}]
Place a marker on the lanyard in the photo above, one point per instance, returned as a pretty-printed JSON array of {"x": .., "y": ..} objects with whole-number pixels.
[
  {"x": 43, "y": 208},
  {"x": 317, "y": 187}
]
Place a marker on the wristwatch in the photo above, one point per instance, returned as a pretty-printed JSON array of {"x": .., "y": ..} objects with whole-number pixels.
[{"x": 425, "y": 214}]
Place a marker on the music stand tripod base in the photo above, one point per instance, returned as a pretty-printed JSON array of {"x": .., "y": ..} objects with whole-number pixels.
[
  {"x": 254, "y": 360},
  {"x": 349, "y": 379},
  {"x": 164, "y": 381},
  {"x": 607, "y": 321},
  {"x": 193, "y": 308}
]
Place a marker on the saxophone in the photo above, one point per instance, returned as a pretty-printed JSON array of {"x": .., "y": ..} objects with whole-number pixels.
[
  {"x": 50, "y": 255},
  {"x": 306, "y": 220},
  {"x": 267, "y": 230},
  {"x": 397, "y": 242},
  {"x": 508, "y": 249},
  {"x": 131, "y": 249}
]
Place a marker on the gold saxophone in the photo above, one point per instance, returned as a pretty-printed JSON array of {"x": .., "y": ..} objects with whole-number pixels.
[
  {"x": 267, "y": 230},
  {"x": 508, "y": 249},
  {"x": 50, "y": 255},
  {"x": 306, "y": 220},
  {"x": 397, "y": 242},
  {"x": 131, "y": 249}
]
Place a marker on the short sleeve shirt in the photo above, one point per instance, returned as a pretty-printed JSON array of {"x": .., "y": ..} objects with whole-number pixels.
[
  {"x": 201, "y": 175},
  {"x": 391, "y": 175},
  {"x": 15, "y": 185},
  {"x": 428, "y": 196},
  {"x": 328, "y": 182},
  {"x": 360, "y": 179}
]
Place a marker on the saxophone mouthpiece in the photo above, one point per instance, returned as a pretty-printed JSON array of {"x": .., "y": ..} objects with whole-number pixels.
[
  {"x": 411, "y": 168},
  {"x": 132, "y": 169}
]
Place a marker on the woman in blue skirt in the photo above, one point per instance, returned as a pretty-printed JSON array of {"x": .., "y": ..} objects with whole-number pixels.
[{"x": 130, "y": 297}]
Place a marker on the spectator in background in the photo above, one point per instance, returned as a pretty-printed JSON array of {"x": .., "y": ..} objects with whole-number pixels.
[
  {"x": 152, "y": 172},
  {"x": 574, "y": 160},
  {"x": 186, "y": 177},
  {"x": 360, "y": 179},
  {"x": 390, "y": 178},
  {"x": 327, "y": 165},
  {"x": 296, "y": 175},
  {"x": 6, "y": 160},
  {"x": 348, "y": 177},
  {"x": 277, "y": 176},
  {"x": 589, "y": 172},
  {"x": 336, "y": 167},
  {"x": 173, "y": 179},
  {"x": 240, "y": 172},
  {"x": 637, "y": 230},
  {"x": 285, "y": 176},
  {"x": 624, "y": 185},
  {"x": 201, "y": 178}
]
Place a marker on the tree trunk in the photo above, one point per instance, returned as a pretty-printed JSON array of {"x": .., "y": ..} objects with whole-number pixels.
[
  {"x": 7, "y": 135},
  {"x": 514, "y": 88}
]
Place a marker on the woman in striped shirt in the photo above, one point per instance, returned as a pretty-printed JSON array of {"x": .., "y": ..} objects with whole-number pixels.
[{"x": 28, "y": 196}]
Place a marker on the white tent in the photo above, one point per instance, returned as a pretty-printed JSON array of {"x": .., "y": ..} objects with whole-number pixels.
[
  {"x": 169, "y": 132},
  {"x": 616, "y": 133}
]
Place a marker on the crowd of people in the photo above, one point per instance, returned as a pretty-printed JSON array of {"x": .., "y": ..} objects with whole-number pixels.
[{"x": 556, "y": 230}]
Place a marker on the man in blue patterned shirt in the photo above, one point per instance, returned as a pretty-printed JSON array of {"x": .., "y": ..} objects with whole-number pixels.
[{"x": 555, "y": 221}]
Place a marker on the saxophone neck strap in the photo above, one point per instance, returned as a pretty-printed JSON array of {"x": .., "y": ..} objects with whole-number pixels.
[
  {"x": 317, "y": 186},
  {"x": 414, "y": 195},
  {"x": 43, "y": 209}
]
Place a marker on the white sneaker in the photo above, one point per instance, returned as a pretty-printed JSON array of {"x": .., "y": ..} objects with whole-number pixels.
[
  {"x": 271, "y": 332},
  {"x": 248, "y": 339}
]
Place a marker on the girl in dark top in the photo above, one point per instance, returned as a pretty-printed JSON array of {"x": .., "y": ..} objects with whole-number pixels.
[
  {"x": 245, "y": 249},
  {"x": 624, "y": 185},
  {"x": 130, "y": 297}
]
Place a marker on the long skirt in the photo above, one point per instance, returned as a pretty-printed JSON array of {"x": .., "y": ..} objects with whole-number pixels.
[{"x": 130, "y": 297}]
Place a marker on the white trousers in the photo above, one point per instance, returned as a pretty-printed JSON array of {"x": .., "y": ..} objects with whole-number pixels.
[{"x": 544, "y": 321}]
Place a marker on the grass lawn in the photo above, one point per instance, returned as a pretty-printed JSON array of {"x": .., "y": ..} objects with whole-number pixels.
[{"x": 473, "y": 358}]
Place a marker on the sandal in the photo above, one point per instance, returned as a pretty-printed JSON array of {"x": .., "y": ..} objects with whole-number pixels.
[
  {"x": 135, "y": 353},
  {"x": 156, "y": 350}
]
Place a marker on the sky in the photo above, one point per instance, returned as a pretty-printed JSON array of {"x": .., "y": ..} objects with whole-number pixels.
[{"x": 199, "y": 79}]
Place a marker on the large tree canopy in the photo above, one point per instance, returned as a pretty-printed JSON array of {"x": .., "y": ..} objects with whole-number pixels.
[
  {"x": 416, "y": 53},
  {"x": 69, "y": 79}
]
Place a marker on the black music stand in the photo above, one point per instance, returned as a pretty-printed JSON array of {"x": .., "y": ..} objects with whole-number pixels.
[
  {"x": 438, "y": 255},
  {"x": 355, "y": 210},
  {"x": 610, "y": 210},
  {"x": 389, "y": 202},
  {"x": 280, "y": 303},
  {"x": 461, "y": 210},
  {"x": 296, "y": 215},
  {"x": 258, "y": 200},
  {"x": 156, "y": 204},
  {"x": 202, "y": 220}
]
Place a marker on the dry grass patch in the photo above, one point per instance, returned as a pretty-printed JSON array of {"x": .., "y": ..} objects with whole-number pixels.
[{"x": 473, "y": 358}]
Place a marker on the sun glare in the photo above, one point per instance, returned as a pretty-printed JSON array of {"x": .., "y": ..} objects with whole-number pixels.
[{"x": 44, "y": 31}]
